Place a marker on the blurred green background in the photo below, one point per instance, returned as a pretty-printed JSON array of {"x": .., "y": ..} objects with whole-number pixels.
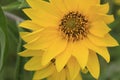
[{"x": 9, "y": 37}]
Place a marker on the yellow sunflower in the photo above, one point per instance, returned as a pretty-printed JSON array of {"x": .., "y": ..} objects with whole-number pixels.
[
  {"x": 69, "y": 72},
  {"x": 67, "y": 28}
]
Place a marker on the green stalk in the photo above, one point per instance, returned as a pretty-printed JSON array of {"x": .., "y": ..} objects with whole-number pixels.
[
  {"x": 18, "y": 65},
  {"x": 21, "y": 74}
]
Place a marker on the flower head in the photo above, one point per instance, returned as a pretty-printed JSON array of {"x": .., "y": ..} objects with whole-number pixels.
[
  {"x": 65, "y": 29},
  {"x": 49, "y": 71}
]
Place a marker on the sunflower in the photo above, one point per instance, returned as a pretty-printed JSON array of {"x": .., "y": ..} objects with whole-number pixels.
[
  {"x": 64, "y": 28},
  {"x": 49, "y": 71}
]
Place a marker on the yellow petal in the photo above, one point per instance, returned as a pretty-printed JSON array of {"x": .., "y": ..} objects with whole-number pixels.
[
  {"x": 100, "y": 50},
  {"x": 53, "y": 76},
  {"x": 106, "y": 18},
  {"x": 83, "y": 5},
  {"x": 80, "y": 52},
  {"x": 22, "y": 34},
  {"x": 107, "y": 41},
  {"x": 31, "y": 36},
  {"x": 68, "y": 74},
  {"x": 41, "y": 5},
  {"x": 74, "y": 68},
  {"x": 56, "y": 48},
  {"x": 63, "y": 58},
  {"x": 62, "y": 75},
  {"x": 58, "y": 75},
  {"x": 42, "y": 18},
  {"x": 30, "y": 25},
  {"x": 79, "y": 77},
  {"x": 99, "y": 28},
  {"x": 34, "y": 64},
  {"x": 99, "y": 8},
  {"x": 44, "y": 39},
  {"x": 69, "y": 4},
  {"x": 93, "y": 1},
  {"x": 93, "y": 65},
  {"x": 101, "y": 17},
  {"x": 60, "y": 5},
  {"x": 29, "y": 53},
  {"x": 46, "y": 72}
]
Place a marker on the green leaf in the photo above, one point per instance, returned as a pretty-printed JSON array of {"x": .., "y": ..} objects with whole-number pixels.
[
  {"x": 24, "y": 4},
  {"x": 3, "y": 38},
  {"x": 113, "y": 70},
  {"x": 15, "y": 5},
  {"x": 12, "y": 6},
  {"x": 116, "y": 25}
]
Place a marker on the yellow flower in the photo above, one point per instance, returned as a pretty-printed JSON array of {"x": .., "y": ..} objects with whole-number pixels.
[
  {"x": 69, "y": 72},
  {"x": 67, "y": 28}
]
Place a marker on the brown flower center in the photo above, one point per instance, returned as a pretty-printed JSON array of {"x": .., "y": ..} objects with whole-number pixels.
[{"x": 74, "y": 26}]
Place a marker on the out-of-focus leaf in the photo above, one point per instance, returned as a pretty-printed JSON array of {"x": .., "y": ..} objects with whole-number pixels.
[
  {"x": 23, "y": 4},
  {"x": 116, "y": 29},
  {"x": 15, "y": 5},
  {"x": 113, "y": 71},
  {"x": 12, "y": 6},
  {"x": 115, "y": 25},
  {"x": 115, "y": 51},
  {"x": 3, "y": 38},
  {"x": 2, "y": 45}
]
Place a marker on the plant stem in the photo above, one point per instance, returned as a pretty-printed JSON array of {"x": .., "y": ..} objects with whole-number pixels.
[{"x": 18, "y": 65}]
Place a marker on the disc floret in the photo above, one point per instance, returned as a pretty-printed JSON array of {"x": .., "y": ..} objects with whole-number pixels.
[{"x": 74, "y": 26}]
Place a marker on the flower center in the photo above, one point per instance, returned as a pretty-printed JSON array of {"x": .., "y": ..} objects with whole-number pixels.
[{"x": 74, "y": 26}]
